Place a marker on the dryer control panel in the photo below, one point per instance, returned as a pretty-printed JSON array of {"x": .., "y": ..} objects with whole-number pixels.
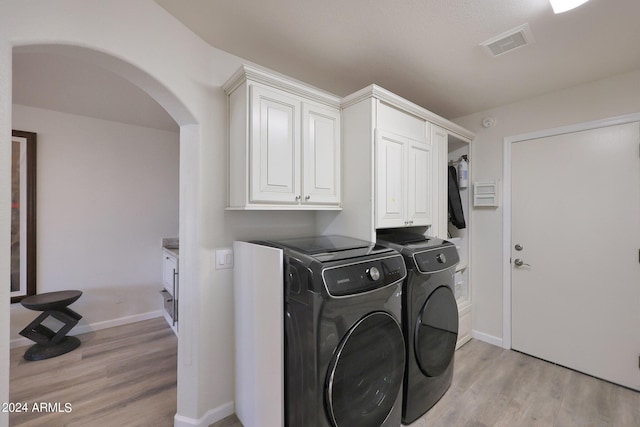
[
  {"x": 363, "y": 276},
  {"x": 436, "y": 259}
]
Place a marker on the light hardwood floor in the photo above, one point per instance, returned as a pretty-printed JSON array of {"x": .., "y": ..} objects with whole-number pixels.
[
  {"x": 497, "y": 387},
  {"x": 123, "y": 376},
  {"x": 126, "y": 376}
]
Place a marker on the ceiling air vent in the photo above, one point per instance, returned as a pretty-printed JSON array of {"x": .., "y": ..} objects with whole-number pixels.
[{"x": 509, "y": 40}]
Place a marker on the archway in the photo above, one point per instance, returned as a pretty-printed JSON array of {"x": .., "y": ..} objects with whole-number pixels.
[{"x": 189, "y": 128}]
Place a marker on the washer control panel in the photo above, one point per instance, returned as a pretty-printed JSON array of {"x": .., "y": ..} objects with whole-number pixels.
[{"x": 364, "y": 276}]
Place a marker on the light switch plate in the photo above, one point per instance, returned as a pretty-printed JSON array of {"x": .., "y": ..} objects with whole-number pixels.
[{"x": 224, "y": 258}]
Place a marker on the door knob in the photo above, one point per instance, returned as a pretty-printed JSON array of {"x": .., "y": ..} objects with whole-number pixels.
[
  {"x": 519, "y": 263},
  {"x": 518, "y": 247}
]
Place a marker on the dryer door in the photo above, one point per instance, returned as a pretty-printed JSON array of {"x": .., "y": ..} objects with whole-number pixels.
[
  {"x": 365, "y": 374},
  {"x": 436, "y": 332}
]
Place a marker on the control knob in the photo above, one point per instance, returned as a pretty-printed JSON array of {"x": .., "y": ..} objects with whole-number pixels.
[
  {"x": 441, "y": 258},
  {"x": 373, "y": 273}
]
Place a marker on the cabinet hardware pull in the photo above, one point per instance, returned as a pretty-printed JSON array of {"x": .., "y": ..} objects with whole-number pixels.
[
  {"x": 297, "y": 198},
  {"x": 307, "y": 197}
]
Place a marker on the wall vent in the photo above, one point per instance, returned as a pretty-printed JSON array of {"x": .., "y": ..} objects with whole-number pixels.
[{"x": 508, "y": 41}]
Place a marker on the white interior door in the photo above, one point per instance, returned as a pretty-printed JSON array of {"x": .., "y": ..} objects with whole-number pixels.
[{"x": 576, "y": 216}]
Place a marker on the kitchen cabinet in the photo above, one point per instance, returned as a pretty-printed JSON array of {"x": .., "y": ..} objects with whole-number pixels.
[
  {"x": 404, "y": 181},
  {"x": 284, "y": 144},
  {"x": 171, "y": 288}
]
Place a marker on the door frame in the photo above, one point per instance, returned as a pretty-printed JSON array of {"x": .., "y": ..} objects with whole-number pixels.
[{"x": 506, "y": 213}]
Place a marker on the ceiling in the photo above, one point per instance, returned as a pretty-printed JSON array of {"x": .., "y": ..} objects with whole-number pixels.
[
  {"x": 426, "y": 51},
  {"x": 71, "y": 85}
]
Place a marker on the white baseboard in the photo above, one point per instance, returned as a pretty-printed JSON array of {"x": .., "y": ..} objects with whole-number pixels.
[
  {"x": 83, "y": 329},
  {"x": 210, "y": 417},
  {"x": 487, "y": 338}
]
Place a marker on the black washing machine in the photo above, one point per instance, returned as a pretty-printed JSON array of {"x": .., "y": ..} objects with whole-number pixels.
[
  {"x": 429, "y": 318},
  {"x": 344, "y": 348}
]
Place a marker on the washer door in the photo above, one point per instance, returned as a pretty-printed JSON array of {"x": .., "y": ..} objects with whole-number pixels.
[
  {"x": 436, "y": 332},
  {"x": 365, "y": 374}
]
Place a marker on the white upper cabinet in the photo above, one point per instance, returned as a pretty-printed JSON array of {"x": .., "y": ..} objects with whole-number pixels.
[
  {"x": 284, "y": 144},
  {"x": 439, "y": 137},
  {"x": 420, "y": 183},
  {"x": 395, "y": 153},
  {"x": 391, "y": 180},
  {"x": 275, "y": 147},
  {"x": 321, "y": 154},
  {"x": 404, "y": 181}
]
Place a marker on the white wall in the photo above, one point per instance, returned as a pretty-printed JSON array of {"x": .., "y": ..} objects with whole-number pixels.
[
  {"x": 5, "y": 219},
  {"x": 140, "y": 41},
  {"x": 107, "y": 193},
  {"x": 602, "y": 99}
]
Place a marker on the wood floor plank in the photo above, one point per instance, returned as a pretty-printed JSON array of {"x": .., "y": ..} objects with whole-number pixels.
[
  {"x": 494, "y": 387},
  {"x": 124, "y": 376},
  {"x": 513, "y": 389}
]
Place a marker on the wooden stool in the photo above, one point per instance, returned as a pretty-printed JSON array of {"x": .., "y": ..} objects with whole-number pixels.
[{"x": 49, "y": 343}]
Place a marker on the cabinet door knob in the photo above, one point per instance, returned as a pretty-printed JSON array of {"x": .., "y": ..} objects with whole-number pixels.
[
  {"x": 307, "y": 197},
  {"x": 297, "y": 198}
]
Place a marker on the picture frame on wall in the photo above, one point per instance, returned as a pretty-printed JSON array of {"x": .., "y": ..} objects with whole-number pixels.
[{"x": 23, "y": 215}]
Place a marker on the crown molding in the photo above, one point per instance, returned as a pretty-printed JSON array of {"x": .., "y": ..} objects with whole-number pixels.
[
  {"x": 382, "y": 94},
  {"x": 254, "y": 74},
  {"x": 270, "y": 78}
]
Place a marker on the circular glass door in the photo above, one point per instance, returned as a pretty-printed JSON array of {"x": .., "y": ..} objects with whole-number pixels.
[
  {"x": 365, "y": 374},
  {"x": 436, "y": 332}
]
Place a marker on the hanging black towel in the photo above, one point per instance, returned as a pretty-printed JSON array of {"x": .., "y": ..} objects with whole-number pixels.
[{"x": 456, "y": 214}]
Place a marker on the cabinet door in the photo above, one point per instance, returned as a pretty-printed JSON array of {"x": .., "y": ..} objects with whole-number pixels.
[
  {"x": 419, "y": 183},
  {"x": 169, "y": 269},
  {"x": 390, "y": 179},
  {"x": 321, "y": 154},
  {"x": 275, "y": 144},
  {"x": 440, "y": 216}
]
